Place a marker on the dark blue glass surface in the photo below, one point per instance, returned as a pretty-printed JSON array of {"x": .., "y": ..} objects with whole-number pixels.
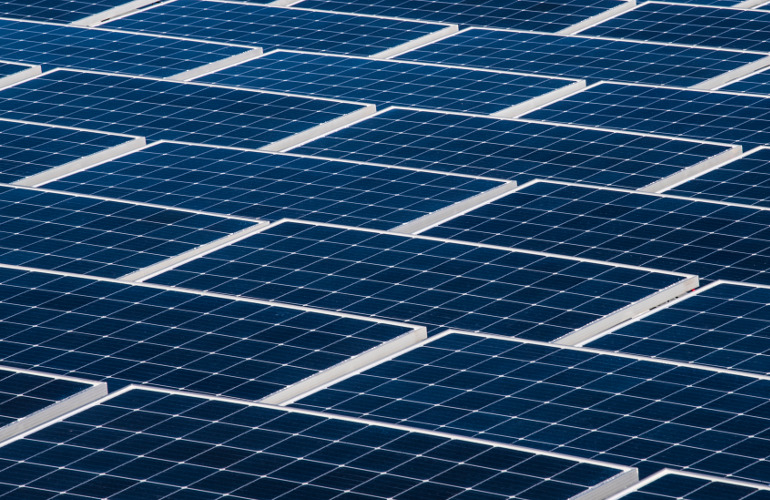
[
  {"x": 92, "y": 236},
  {"x": 60, "y": 11},
  {"x": 510, "y": 149},
  {"x": 419, "y": 280},
  {"x": 647, "y": 414},
  {"x": 587, "y": 58},
  {"x": 674, "y": 486},
  {"x": 758, "y": 83},
  {"x": 160, "y": 109},
  {"x": 276, "y": 27},
  {"x": 148, "y": 444},
  {"x": 710, "y": 239},
  {"x": 274, "y": 186}
]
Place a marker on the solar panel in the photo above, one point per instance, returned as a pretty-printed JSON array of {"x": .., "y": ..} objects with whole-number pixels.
[
  {"x": 537, "y": 15},
  {"x": 386, "y": 82},
  {"x": 153, "y": 444},
  {"x": 271, "y": 186},
  {"x": 428, "y": 282},
  {"x": 161, "y": 109},
  {"x": 281, "y": 27},
  {"x": 695, "y": 114},
  {"x": 29, "y": 398},
  {"x": 637, "y": 412},
  {"x": 744, "y": 180},
  {"x": 87, "y": 235},
  {"x": 740, "y": 29},
  {"x": 517, "y": 150},
  {"x": 671, "y": 485},
  {"x": 125, "y": 333},
  {"x": 710, "y": 239},
  {"x": 57, "y": 46},
  {"x": 67, "y": 11},
  {"x": 723, "y": 325},
  {"x": 28, "y": 149},
  {"x": 11, "y": 73},
  {"x": 757, "y": 83},
  {"x": 590, "y": 58}
]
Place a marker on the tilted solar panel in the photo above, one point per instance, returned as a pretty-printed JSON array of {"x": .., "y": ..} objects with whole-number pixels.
[
  {"x": 57, "y": 46},
  {"x": 516, "y": 149},
  {"x": 28, "y": 149},
  {"x": 126, "y": 333},
  {"x": 393, "y": 83},
  {"x": 66, "y": 11},
  {"x": 429, "y": 282},
  {"x": 272, "y": 186},
  {"x": 758, "y": 83},
  {"x": 589, "y": 58},
  {"x": 154, "y": 444},
  {"x": 30, "y": 398},
  {"x": 671, "y": 485},
  {"x": 538, "y": 15},
  {"x": 648, "y": 414},
  {"x": 280, "y": 27},
  {"x": 740, "y": 29},
  {"x": 79, "y": 234},
  {"x": 710, "y": 239},
  {"x": 162, "y": 109},
  {"x": 744, "y": 180},
  {"x": 11, "y": 72},
  {"x": 695, "y": 114},
  {"x": 724, "y": 325}
]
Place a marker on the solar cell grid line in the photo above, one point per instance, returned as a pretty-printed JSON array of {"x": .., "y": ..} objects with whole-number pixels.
[
  {"x": 605, "y": 406},
  {"x": 564, "y": 16},
  {"x": 395, "y": 83},
  {"x": 705, "y": 26},
  {"x": 162, "y": 109},
  {"x": 723, "y": 324},
  {"x": 125, "y": 333},
  {"x": 710, "y": 239},
  {"x": 590, "y": 58},
  {"x": 272, "y": 186},
  {"x": 520, "y": 150},
  {"x": 283, "y": 27},
  {"x": 110, "y": 238},
  {"x": 28, "y": 149},
  {"x": 696, "y": 114},
  {"x": 60, "y": 46},
  {"x": 148, "y": 443},
  {"x": 674, "y": 485},
  {"x": 67, "y": 11},
  {"x": 744, "y": 180},
  {"x": 31, "y": 398},
  {"x": 425, "y": 281}
]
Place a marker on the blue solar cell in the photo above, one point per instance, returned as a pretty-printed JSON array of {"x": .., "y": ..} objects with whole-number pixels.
[
  {"x": 161, "y": 109},
  {"x": 388, "y": 82},
  {"x": 695, "y": 114},
  {"x": 723, "y": 325},
  {"x": 93, "y": 236},
  {"x": 648, "y": 414},
  {"x": 539, "y": 15},
  {"x": 136, "y": 334},
  {"x": 55, "y": 46},
  {"x": 151, "y": 444},
  {"x": 589, "y": 58},
  {"x": 422, "y": 281},
  {"x": 740, "y": 29},
  {"x": 27, "y": 149},
  {"x": 274, "y": 186},
  {"x": 278, "y": 27},
  {"x": 675, "y": 486},
  {"x": 710, "y": 239},
  {"x": 745, "y": 180},
  {"x": 758, "y": 83},
  {"x": 61, "y": 11},
  {"x": 34, "y": 396},
  {"x": 511, "y": 149}
]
